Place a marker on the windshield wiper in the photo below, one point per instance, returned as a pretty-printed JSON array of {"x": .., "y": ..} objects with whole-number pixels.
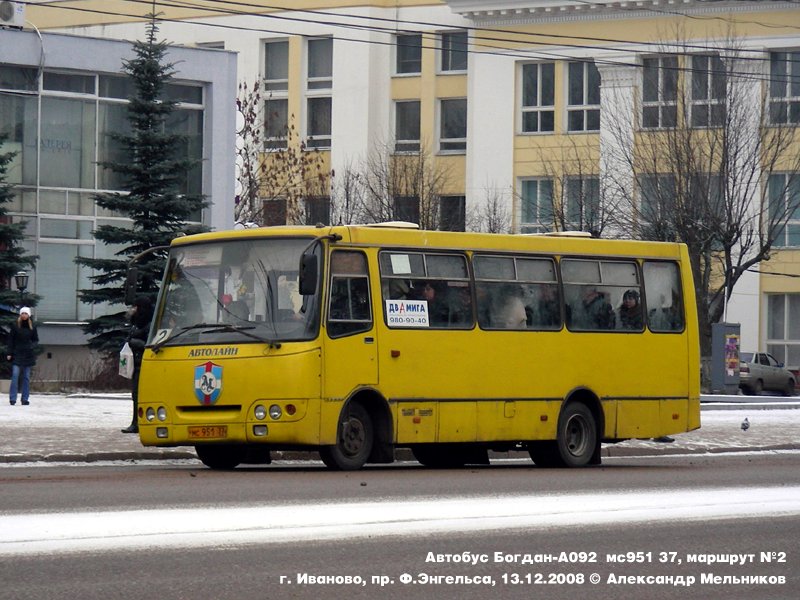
[
  {"x": 243, "y": 330},
  {"x": 211, "y": 327}
]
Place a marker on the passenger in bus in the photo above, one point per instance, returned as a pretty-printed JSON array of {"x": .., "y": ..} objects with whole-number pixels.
[
  {"x": 630, "y": 311},
  {"x": 459, "y": 304},
  {"x": 666, "y": 318},
  {"x": 236, "y": 312},
  {"x": 511, "y": 314},
  {"x": 396, "y": 289},
  {"x": 433, "y": 294},
  {"x": 595, "y": 311},
  {"x": 548, "y": 312}
]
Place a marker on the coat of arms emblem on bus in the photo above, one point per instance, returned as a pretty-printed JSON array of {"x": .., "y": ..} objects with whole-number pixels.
[{"x": 208, "y": 382}]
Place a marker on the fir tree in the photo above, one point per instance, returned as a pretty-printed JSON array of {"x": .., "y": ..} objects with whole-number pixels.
[
  {"x": 12, "y": 257},
  {"x": 152, "y": 173}
]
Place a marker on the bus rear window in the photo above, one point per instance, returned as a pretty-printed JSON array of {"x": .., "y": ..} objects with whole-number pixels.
[{"x": 662, "y": 287}]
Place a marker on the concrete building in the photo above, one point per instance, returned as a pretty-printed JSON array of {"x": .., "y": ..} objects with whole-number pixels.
[
  {"x": 60, "y": 96},
  {"x": 519, "y": 101}
]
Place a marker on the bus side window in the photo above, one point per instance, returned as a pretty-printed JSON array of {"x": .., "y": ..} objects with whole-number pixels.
[
  {"x": 517, "y": 292},
  {"x": 440, "y": 281},
  {"x": 662, "y": 288},
  {"x": 349, "y": 305}
]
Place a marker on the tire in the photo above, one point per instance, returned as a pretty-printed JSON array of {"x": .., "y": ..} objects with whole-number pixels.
[
  {"x": 789, "y": 389},
  {"x": 544, "y": 454},
  {"x": 577, "y": 435},
  {"x": 758, "y": 387},
  {"x": 221, "y": 457},
  {"x": 575, "y": 443},
  {"x": 355, "y": 438}
]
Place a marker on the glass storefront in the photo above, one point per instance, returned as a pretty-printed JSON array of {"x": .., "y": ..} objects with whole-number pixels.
[{"x": 61, "y": 128}]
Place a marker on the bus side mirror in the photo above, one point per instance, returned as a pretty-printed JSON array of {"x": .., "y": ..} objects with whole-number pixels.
[
  {"x": 309, "y": 274},
  {"x": 131, "y": 283}
]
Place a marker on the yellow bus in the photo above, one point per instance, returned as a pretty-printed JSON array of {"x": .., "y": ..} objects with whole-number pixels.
[{"x": 357, "y": 340}]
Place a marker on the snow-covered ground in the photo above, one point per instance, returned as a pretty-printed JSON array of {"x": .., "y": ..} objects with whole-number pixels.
[{"x": 194, "y": 527}]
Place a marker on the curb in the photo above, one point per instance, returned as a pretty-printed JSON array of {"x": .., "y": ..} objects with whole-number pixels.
[
  {"x": 706, "y": 406},
  {"x": 97, "y": 457}
]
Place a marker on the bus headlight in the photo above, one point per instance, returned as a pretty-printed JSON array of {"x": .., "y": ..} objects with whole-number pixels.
[
  {"x": 260, "y": 412},
  {"x": 161, "y": 413},
  {"x": 275, "y": 412},
  {"x": 150, "y": 414}
]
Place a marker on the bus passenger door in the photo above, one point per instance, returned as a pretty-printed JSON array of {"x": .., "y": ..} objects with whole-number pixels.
[{"x": 351, "y": 349}]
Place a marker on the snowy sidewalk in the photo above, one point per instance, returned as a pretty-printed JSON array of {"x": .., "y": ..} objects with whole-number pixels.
[{"x": 57, "y": 428}]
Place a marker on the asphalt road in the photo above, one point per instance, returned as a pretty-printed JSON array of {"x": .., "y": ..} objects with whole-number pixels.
[{"x": 627, "y": 531}]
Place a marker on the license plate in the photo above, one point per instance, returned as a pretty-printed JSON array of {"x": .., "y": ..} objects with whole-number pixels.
[{"x": 215, "y": 431}]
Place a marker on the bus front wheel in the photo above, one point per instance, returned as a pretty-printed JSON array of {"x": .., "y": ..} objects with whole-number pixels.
[
  {"x": 354, "y": 441},
  {"x": 223, "y": 457}
]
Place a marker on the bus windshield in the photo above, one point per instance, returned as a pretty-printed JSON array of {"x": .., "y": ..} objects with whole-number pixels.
[{"x": 235, "y": 292}]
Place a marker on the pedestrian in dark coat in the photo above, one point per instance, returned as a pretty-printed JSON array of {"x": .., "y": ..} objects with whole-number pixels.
[
  {"x": 140, "y": 316},
  {"x": 22, "y": 341}
]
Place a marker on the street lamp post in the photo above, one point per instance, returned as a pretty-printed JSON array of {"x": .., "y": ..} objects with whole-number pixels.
[{"x": 21, "y": 279}]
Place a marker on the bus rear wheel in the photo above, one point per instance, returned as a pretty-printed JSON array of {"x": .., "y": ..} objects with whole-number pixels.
[
  {"x": 222, "y": 457},
  {"x": 354, "y": 441},
  {"x": 576, "y": 439}
]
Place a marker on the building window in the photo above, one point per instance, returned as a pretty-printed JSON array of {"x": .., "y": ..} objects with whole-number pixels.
[
  {"x": 583, "y": 203},
  {"x": 784, "y": 200},
  {"x": 319, "y": 85},
  {"x": 452, "y": 213},
  {"x": 454, "y": 51},
  {"x": 660, "y": 92},
  {"x": 708, "y": 91},
  {"x": 112, "y": 121},
  {"x": 56, "y": 266},
  {"x": 583, "y": 109},
  {"x": 23, "y": 79},
  {"x": 784, "y": 88},
  {"x": 406, "y": 208},
  {"x": 276, "y": 66},
  {"x": 409, "y": 54},
  {"x": 67, "y": 144},
  {"x": 538, "y": 97},
  {"x": 536, "y": 205},
  {"x": 276, "y": 84},
  {"x": 72, "y": 83},
  {"x": 783, "y": 328},
  {"x": 18, "y": 119},
  {"x": 656, "y": 207},
  {"x": 320, "y": 64},
  {"x": 276, "y": 123},
  {"x": 406, "y": 115},
  {"x": 273, "y": 211},
  {"x": 318, "y": 210},
  {"x": 319, "y": 123},
  {"x": 453, "y": 130},
  {"x": 188, "y": 123}
]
